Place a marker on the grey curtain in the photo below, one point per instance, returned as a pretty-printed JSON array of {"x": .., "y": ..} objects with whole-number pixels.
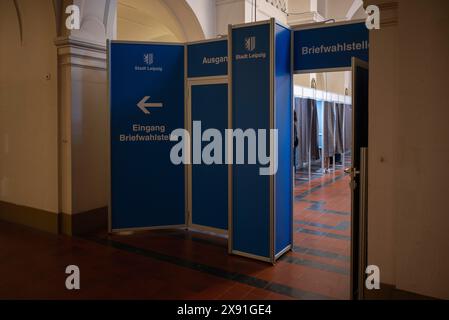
[
  {"x": 315, "y": 150},
  {"x": 306, "y": 111},
  {"x": 348, "y": 127},
  {"x": 339, "y": 123},
  {"x": 328, "y": 129}
]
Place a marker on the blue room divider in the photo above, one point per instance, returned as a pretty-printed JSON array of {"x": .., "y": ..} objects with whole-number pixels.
[
  {"x": 244, "y": 82},
  {"x": 261, "y": 86},
  {"x": 207, "y": 87},
  {"x": 146, "y": 97}
]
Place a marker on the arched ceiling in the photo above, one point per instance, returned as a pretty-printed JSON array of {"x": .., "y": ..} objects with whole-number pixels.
[{"x": 156, "y": 20}]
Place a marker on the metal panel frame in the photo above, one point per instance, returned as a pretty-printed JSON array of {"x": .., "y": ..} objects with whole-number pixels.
[
  {"x": 109, "y": 161},
  {"x": 283, "y": 251},
  {"x": 187, "y": 181},
  {"x": 167, "y": 227},
  {"x": 251, "y": 256},
  {"x": 207, "y": 40},
  {"x": 272, "y": 127},
  {"x": 250, "y": 24},
  {"x": 201, "y": 81},
  {"x": 321, "y": 70},
  {"x": 109, "y": 178},
  {"x": 292, "y": 108},
  {"x": 355, "y": 63},
  {"x": 206, "y": 229},
  {"x": 317, "y": 25},
  {"x": 212, "y": 78},
  {"x": 229, "y": 152},
  {"x": 289, "y": 247},
  {"x": 363, "y": 223},
  {"x": 148, "y": 42},
  {"x": 280, "y": 23}
]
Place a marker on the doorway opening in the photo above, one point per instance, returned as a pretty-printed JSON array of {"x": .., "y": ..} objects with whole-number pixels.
[{"x": 322, "y": 195}]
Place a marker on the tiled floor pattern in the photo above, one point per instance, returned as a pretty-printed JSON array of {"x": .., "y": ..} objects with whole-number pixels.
[{"x": 175, "y": 264}]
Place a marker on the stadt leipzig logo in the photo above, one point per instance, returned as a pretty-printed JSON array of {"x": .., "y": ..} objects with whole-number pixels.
[
  {"x": 250, "y": 43},
  {"x": 148, "y": 58}
]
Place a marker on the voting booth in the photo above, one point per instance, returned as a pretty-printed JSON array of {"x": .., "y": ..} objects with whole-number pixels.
[{"x": 212, "y": 89}]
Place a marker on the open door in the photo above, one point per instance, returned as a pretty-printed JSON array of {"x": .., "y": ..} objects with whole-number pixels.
[{"x": 360, "y": 77}]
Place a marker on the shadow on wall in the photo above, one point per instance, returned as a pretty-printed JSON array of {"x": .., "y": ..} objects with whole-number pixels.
[{"x": 28, "y": 105}]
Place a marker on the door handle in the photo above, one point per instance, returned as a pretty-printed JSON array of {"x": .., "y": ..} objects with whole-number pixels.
[{"x": 352, "y": 171}]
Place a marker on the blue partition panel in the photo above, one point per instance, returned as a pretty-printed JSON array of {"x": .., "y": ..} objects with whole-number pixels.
[
  {"x": 284, "y": 122},
  {"x": 251, "y": 110},
  {"x": 146, "y": 104},
  {"x": 207, "y": 59},
  {"x": 330, "y": 47},
  {"x": 210, "y": 182}
]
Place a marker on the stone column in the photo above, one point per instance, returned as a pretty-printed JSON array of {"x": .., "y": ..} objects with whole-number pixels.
[{"x": 83, "y": 118}]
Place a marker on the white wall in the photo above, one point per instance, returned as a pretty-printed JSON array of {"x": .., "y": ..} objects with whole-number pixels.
[
  {"x": 229, "y": 12},
  {"x": 89, "y": 138},
  {"x": 28, "y": 105},
  {"x": 165, "y": 20},
  {"x": 305, "y": 11},
  {"x": 383, "y": 130},
  {"x": 265, "y": 11},
  {"x": 140, "y": 20},
  {"x": 409, "y": 149},
  {"x": 307, "y": 5},
  {"x": 205, "y": 11},
  {"x": 242, "y": 11},
  {"x": 423, "y": 149},
  {"x": 337, "y": 9},
  {"x": 335, "y": 82},
  {"x": 322, "y": 7},
  {"x": 298, "y": 6},
  {"x": 83, "y": 109}
]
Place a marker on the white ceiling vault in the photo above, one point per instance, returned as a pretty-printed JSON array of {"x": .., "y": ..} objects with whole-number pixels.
[
  {"x": 191, "y": 20},
  {"x": 157, "y": 20}
]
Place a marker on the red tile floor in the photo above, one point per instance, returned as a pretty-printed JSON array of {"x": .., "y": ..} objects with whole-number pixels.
[{"x": 175, "y": 264}]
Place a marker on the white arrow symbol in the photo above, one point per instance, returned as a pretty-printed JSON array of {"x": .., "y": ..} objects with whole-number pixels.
[{"x": 143, "y": 105}]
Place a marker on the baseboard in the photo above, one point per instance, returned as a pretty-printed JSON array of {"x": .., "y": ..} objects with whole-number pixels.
[
  {"x": 390, "y": 292},
  {"x": 85, "y": 222},
  {"x": 62, "y": 223},
  {"x": 31, "y": 217}
]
